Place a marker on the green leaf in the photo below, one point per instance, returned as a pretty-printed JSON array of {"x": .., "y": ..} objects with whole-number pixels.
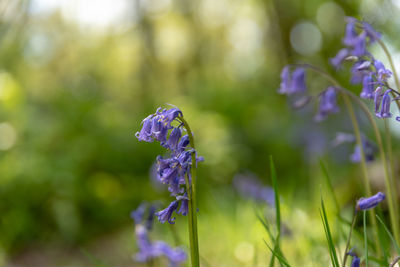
[
  {"x": 389, "y": 234},
  {"x": 331, "y": 246},
  {"x": 278, "y": 255}
]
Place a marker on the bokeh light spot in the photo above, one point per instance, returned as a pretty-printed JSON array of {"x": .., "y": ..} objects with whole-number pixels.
[
  {"x": 306, "y": 38},
  {"x": 8, "y": 136}
]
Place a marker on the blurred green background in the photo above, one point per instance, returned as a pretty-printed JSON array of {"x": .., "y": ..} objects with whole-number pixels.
[{"x": 77, "y": 78}]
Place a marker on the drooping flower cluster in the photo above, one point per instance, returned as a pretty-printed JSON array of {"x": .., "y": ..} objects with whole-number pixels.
[
  {"x": 367, "y": 70},
  {"x": 150, "y": 250},
  {"x": 173, "y": 169},
  {"x": 248, "y": 186},
  {"x": 370, "y": 202}
]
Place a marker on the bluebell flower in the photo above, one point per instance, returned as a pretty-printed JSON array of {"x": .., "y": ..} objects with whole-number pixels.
[
  {"x": 372, "y": 34},
  {"x": 360, "y": 45},
  {"x": 145, "y": 248},
  {"x": 159, "y": 129},
  {"x": 145, "y": 133},
  {"x": 340, "y": 57},
  {"x": 298, "y": 83},
  {"x": 137, "y": 215},
  {"x": 150, "y": 250},
  {"x": 150, "y": 218},
  {"x": 175, "y": 256},
  {"x": 342, "y": 138},
  {"x": 249, "y": 186},
  {"x": 173, "y": 139},
  {"x": 184, "y": 208},
  {"x": 385, "y": 107},
  {"x": 183, "y": 143},
  {"x": 369, "y": 151},
  {"x": 371, "y": 202},
  {"x": 368, "y": 87},
  {"x": 166, "y": 214},
  {"x": 327, "y": 104},
  {"x": 350, "y": 32},
  {"x": 358, "y": 71},
  {"x": 285, "y": 81},
  {"x": 356, "y": 260},
  {"x": 175, "y": 185},
  {"x": 382, "y": 74},
  {"x": 292, "y": 84}
]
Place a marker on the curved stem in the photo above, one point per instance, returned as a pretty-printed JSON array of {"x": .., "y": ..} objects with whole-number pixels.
[{"x": 191, "y": 191}]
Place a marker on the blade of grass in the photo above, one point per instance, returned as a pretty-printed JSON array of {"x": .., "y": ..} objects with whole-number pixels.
[
  {"x": 264, "y": 222},
  {"x": 281, "y": 259},
  {"x": 365, "y": 238},
  {"x": 330, "y": 186},
  {"x": 276, "y": 193},
  {"x": 331, "y": 246},
  {"x": 277, "y": 248},
  {"x": 389, "y": 234}
]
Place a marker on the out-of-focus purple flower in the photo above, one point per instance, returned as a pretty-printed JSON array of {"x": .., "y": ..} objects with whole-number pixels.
[
  {"x": 368, "y": 87},
  {"x": 285, "y": 81},
  {"x": 358, "y": 71},
  {"x": 327, "y": 104},
  {"x": 360, "y": 45},
  {"x": 385, "y": 107},
  {"x": 364, "y": 65},
  {"x": 350, "y": 33},
  {"x": 371, "y": 32},
  {"x": 175, "y": 256},
  {"x": 149, "y": 250},
  {"x": 339, "y": 58},
  {"x": 137, "y": 215},
  {"x": 250, "y": 187},
  {"x": 150, "y": 217},
  {"x": 356, "y": 260},
  {"x": 298, "y": 84},
  {"x": 382, "y": 74},
  {"x": 369, "y": 151},
  {"x": 371, "y": 202},
  {"x": 378, "y": 98},
  {"x": 145, "y": 248},
  {"x": 292, "y": 84},
  {"x": 166, "y": 214},
  {"x": 342, "y": 138}
]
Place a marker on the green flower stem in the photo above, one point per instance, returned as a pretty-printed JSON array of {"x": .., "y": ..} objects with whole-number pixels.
[
  {"x": 348, "y": 239},
  {"x": 191, "y": 191}
]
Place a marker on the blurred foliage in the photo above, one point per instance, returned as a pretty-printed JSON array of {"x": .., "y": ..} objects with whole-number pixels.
[{"x": 72, "y": 95}]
